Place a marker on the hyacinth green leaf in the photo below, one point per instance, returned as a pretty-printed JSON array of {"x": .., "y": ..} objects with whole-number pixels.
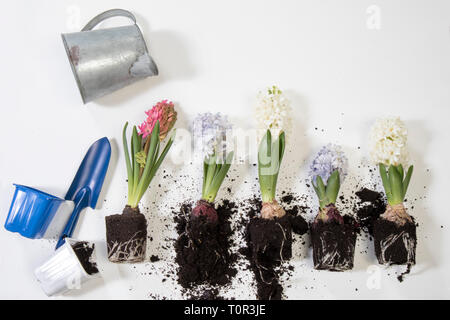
[
  {"x": 332, "y": 188},
  {"x": 385, "y": 181},
  {"x": 158, "y": 163},
  {"x": 277, "y": 155},
  {"x": 321, "y": 185},
  {"x": 270, "y": 155},
  {"x": 156, "y": 152},
  {"x": 136, "y": 141},
  {"x": 395, "y": 182},
  {"x": 282, "y": 142},
  {"x": 127, "y": 160},
  {"x": 396, "y": 185},
  {"x": 264, "y": 167},
  {"x": 154, "y": 145},
  {"x": 210, "y": 172},
  {"x": 264, "y": 151},
  {"x": 317, "y": 190},
  {"x": 269, "y": 161},
  {"x": 322, "y": 194},
  {"x": 407, "y": 180},
  {"x": 161, "y": 158},
  {"x": 205, "y": 171},
  {"x": 219, "y": 176},
  {"x": 154, "y": 140},
  {"x": 316, "y": 187},
  {"x": 400, "y": 171},
  {"x": 138, "y": 186}
]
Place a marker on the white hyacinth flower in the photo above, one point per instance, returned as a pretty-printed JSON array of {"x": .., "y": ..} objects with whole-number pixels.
[
  {"x": 388, "y": 139},
  {"x": 273, "y": 111}
]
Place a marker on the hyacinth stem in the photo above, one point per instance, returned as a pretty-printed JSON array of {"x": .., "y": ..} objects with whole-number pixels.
[
  {"x": 395, "y": 182},
  {"x": 213, "y": 175},
  {"x": 328, "y": 193},
  {"x": 270, "y": 155},
  {"x": 139, "y": 179}
]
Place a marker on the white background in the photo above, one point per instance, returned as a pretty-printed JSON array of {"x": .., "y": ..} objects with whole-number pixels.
[{"x": 338, "y": 71}]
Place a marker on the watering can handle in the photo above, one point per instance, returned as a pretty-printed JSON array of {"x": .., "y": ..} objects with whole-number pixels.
[{"x": 106, "y": 15}]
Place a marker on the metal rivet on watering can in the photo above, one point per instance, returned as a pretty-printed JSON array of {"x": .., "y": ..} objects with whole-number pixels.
[{"x": 106, "y": 60}]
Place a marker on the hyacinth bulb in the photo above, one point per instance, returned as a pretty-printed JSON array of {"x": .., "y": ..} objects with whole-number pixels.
[
  {"x": 330, "y": 214},
  {"x": 205, "y": 209},
  {"x": 397, "y": 214},
  {"x": 271, "y": 210},
  {"x": 164, "y": 112}
]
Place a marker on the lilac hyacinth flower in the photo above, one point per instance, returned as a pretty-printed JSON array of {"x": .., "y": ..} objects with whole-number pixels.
[
  {"x": 210, "y": 133},
  {"x": 328, "y": 159}
]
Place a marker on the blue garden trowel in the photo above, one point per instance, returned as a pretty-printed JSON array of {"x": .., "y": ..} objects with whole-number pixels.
[{"x": 87, "y": 184}]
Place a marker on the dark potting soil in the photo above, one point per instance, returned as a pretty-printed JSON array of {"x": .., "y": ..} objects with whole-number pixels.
[
  {"x": 269, "y": 245},
  {"x": 203, "y": 250},
  {"x": 334, "y": 244},
  {"x": 154, "y": 258},
  {"x": 395, "y": 244},
  {"x": 298, "y": 223},
  {"x": 371, "y": 205},
  {"x": 207, "y": 294},
  {"x": 126, "y": 236},
  {"x": 84, "y": 251},
  {"x": 400, "y": 278}
]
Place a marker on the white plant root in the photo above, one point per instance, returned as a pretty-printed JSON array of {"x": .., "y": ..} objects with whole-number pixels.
[
  {"x": 132, "y": 250},
  {"x": 259, "y": 266},
  {"x": 332, "y": 257},
  {"x": 391, "y": 239}
]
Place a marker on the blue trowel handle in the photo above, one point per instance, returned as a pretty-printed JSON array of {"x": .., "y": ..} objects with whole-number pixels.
[{"x": 82, "y": 201}]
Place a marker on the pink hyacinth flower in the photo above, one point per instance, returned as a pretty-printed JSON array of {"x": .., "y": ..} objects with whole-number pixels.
[{"x": 165, "y": 113}]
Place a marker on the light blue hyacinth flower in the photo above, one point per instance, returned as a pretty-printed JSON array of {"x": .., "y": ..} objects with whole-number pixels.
[{"x": 327, "y": 170}]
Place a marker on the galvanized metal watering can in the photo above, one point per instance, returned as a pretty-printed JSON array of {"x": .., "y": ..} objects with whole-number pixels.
[{"x": 106, "y": 60}]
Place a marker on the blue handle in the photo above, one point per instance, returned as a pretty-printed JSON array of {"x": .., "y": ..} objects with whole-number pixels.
[{"x": 81, "y": 202}]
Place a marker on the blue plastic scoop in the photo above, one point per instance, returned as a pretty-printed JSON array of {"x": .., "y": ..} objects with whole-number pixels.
[
  {"x": 32, "y": 211},
  {"x": 87, "y": 184}
]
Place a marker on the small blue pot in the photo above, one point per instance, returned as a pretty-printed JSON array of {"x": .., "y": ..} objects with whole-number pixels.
[{"x": 31, "y": 212}]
